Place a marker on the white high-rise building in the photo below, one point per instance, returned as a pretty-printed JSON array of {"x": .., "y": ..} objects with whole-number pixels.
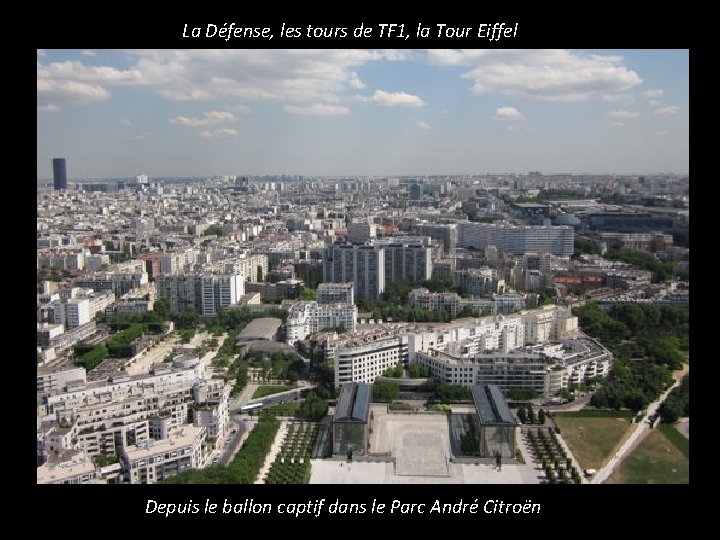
[{"x": 220, "y": 291}]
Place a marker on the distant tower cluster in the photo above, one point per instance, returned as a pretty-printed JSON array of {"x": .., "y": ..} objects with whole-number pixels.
[{"x": 59, "y": 173}]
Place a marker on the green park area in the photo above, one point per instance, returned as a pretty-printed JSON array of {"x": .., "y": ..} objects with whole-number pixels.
[
  {"x": 263, "y": 391},
  {"x": 592, "y": 439},
  {"x": 661, "y": 458}
]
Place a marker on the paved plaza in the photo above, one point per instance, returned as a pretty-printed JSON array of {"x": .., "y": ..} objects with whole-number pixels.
[{"x": 417, "y": 449}]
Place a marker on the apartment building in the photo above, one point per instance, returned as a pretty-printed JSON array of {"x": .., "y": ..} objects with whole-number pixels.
[
  {"x": 305, "y": 318},
  {"x": 335, "y": 293}
]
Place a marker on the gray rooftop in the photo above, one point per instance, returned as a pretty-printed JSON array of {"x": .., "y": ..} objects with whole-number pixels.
[
  {"x": 263, "y": 328},
  {"x": 491, "y": 405},
  {"x": 354, "y": 403}
]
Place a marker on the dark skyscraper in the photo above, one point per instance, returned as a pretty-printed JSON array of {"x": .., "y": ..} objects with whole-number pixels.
[{"x": 59, "y": 176}]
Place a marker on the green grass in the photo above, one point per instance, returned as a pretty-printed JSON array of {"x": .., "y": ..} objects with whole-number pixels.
[
  {"x": 263, "y": 391},
  {"x": 400, "y": 406},
  {"x": 677, "y": 438},
  {"x": 592, "y": 439},
  {"x": 284, "y": 409},
  {"x": 519, "y": 457},
  {"x": 600, "y": 413},
  {"x": 653, "y": 462}
]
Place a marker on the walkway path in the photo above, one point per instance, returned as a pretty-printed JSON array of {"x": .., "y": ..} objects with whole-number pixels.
[
  {"x": 641, "y": 431},
  {"x": 274, "y": 451}
]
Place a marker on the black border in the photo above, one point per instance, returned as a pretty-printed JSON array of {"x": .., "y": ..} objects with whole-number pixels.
[{"x": 565, "y": 510}]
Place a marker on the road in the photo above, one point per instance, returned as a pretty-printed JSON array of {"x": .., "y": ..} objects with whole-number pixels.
[
  {"x": 641, "y": 430},
  {"x": 246, "y": 398}
]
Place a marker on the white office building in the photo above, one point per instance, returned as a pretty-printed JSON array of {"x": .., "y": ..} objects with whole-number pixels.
[{"x": 362, "y": 356}]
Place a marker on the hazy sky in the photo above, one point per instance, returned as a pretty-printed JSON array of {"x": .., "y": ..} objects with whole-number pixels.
[{"x": 361, "y": 112}]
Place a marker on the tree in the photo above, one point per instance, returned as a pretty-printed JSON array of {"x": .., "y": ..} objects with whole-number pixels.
[
  {"x": 447, "y": 393},
  {"x": 162, "y": 308},
  {"x": 440, "y": 284},
  {"x": 385, "y": 390},
  {"x": 213, "y": 230},
  {"x": 522, "y": 394},
  {"x": 417, "y": 371},
  {"x": 314, "y": 276},
  {"x": 92, "y": 358},
  {"x": 531, "y": 414},
  {"x": 308, "y": 294},
  {"x": 541, "y": 416},
  {"x": 186, "y": 319},
  {"x": 314, "y": 408}
]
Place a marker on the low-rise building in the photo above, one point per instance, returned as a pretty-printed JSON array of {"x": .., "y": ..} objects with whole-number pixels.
[
  {"x": 495, "y": 424},
  {"x": 56, "y": 380},
  {"x": 544, "y": 368},
  {"x": 351, "y": 421}
]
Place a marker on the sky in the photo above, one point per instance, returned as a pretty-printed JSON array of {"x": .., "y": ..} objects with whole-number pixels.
[{"x": 354, "y": 112}]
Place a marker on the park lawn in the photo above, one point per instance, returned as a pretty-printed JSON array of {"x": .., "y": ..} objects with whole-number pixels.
[
  {"x": 653, "y": 462},
  {"x": 263, "y": 391},
  {"x": 284, "y": 409},
  {"x": 675, "y": 437},
  {"x": 594, "y": 444}
]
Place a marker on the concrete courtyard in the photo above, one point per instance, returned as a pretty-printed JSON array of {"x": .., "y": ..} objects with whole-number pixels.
[{"x": 417, "y": 449}]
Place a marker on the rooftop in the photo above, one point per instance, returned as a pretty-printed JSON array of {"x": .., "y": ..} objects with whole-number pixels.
[
  {"x": 491, "y": 406},
  {"x": 354, "y": 403},
  {"x": 179, "y": 439},
  {"x": 263, "y": 328}
]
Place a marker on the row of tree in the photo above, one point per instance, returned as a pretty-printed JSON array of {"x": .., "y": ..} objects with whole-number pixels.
[
  {"x": 89, "y": 356},
  {"x": 662, "y": 271},
  {"x": 677, "y": 403},
  {"x": 246, "y": 465}
]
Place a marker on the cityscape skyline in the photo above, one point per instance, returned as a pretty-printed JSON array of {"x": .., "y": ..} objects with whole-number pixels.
[{"x": 356, "y": 112}]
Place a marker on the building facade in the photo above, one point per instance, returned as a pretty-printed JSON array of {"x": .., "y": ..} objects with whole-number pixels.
[
  {"x": 363, "y": 356},
  {"x": 305, "y": 318},
  {"x": 517, "y": 239},
  {"x": 363, "y": 266},
  {"x": 335, "y": 293},
  {"x": 201, "y": 293},
  {"x": 59, "y": 173}
]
